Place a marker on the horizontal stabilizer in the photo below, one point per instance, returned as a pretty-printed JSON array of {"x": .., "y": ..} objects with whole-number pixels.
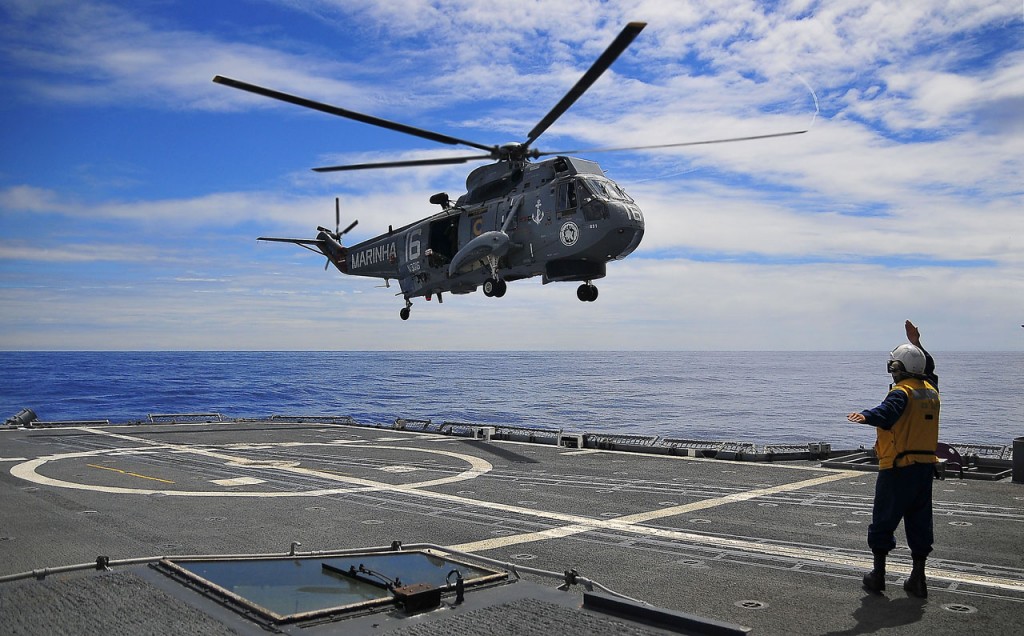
[
  {"x": 324, "y": 244},
  {"x": 311, "y": 242}
]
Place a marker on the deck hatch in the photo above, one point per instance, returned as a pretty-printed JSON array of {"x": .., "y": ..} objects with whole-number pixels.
[{"x": 290, "y": 589}]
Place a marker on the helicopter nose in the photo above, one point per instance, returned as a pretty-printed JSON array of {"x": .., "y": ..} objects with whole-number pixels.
[
  {"x": 635, "y": 236},
  {"x": 627, "y": 230},
  {"x": 634, "y": 213},
  {"x": 629, "y": 240}
]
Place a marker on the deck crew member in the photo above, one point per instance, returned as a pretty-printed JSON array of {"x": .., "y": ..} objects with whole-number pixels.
[{"x": 907, "y": 428}]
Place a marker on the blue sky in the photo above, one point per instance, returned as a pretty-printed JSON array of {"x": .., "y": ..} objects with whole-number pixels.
[{"x": 132, "y": 187}]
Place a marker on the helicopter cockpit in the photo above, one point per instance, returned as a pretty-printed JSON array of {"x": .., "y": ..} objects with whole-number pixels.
[
  {"x": 600, "y": 197},
  {"x": 605, "y": 188}
]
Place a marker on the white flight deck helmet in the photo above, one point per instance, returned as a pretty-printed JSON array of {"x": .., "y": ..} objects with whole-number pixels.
[{"x": 906, "y": 359}]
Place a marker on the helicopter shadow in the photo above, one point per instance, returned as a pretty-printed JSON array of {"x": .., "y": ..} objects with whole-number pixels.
[
  {"x": 503, "y": 453},
  {"x": 878, "y": 612}
]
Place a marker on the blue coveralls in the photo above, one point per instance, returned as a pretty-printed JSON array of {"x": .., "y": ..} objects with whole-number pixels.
[{"x": 900, "y": 493}]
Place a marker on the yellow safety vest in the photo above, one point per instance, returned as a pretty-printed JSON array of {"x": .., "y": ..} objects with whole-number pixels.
[{"x": 913, "y": 438}]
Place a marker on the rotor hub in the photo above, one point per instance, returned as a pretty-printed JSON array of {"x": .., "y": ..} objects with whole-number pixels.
[{"x": 512, "y": 151}]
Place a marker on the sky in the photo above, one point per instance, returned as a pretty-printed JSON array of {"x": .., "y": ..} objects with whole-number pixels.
[{"x": 132, "y": 188}]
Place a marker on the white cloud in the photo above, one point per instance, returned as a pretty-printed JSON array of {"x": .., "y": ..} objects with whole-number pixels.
[
  {"x": 902, "y": 201},
  {"x": 95, "y": 53},
  {"x": 73, "y": 252}
]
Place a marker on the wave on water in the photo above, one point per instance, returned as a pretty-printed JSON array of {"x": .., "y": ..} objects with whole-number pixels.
[{"x": 759, "y": 397}]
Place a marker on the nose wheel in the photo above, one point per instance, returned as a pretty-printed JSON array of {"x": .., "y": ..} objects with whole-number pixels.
[
  {"x": 407, "y": 310},
  {"x": 587, "y": 292}
]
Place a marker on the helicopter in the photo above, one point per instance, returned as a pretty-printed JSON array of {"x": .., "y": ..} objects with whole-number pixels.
[{"x": 560, "y": 218}]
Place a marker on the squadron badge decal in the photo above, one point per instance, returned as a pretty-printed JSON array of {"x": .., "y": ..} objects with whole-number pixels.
[{"x": 570, "y": 233}]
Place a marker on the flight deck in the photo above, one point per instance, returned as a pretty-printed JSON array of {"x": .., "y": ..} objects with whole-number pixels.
[{"x": 770, "y": 547}]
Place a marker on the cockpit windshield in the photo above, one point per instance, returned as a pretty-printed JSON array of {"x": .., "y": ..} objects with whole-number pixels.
[{"x": 606, "y": 189}]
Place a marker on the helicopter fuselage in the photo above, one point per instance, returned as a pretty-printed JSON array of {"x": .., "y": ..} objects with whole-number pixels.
[{"x": 560, "y": 219}]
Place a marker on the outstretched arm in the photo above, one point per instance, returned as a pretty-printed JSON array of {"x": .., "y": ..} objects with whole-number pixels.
[{"x": 885, "y": 414}]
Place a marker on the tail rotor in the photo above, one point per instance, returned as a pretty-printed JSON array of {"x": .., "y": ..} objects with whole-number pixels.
[
  {"x": 337, "y": 217},
  {"x": 337, "y": 233}
]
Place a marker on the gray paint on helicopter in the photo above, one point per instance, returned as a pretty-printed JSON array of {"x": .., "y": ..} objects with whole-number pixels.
[{"x": 559, "y": 218}]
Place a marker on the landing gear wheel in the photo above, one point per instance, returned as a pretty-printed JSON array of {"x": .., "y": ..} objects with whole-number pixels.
[
  {"x": 586, "y": 292},
  {"x": 494, "y": 288},
  {"x": 404, "y": 313}
]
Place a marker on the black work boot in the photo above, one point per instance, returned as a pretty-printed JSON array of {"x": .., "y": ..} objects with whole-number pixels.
[
  {"x": 915, "y": 583},
  {"x": 874, "y": 581}
]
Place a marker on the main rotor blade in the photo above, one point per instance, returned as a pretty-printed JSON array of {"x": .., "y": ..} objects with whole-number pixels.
[
  {"x": 684, "y": 143},
  {"x": 600, "y": 66},
  {"x": 440, "y": 161},
  {"x": 350, "y": 114}
]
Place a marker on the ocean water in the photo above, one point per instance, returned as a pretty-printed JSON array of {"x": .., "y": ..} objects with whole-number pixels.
[{"x": 760, "y": 397}]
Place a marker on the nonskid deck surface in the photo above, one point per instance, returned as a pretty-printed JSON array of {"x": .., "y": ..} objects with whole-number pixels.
[{"x": 779, "y": 547}]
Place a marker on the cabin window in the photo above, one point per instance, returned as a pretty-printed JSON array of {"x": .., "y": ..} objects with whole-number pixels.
[{"x": 566, "y": 198}]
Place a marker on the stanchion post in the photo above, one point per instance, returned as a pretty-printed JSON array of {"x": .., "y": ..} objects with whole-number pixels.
[{"x": 1018, "y": 460}]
